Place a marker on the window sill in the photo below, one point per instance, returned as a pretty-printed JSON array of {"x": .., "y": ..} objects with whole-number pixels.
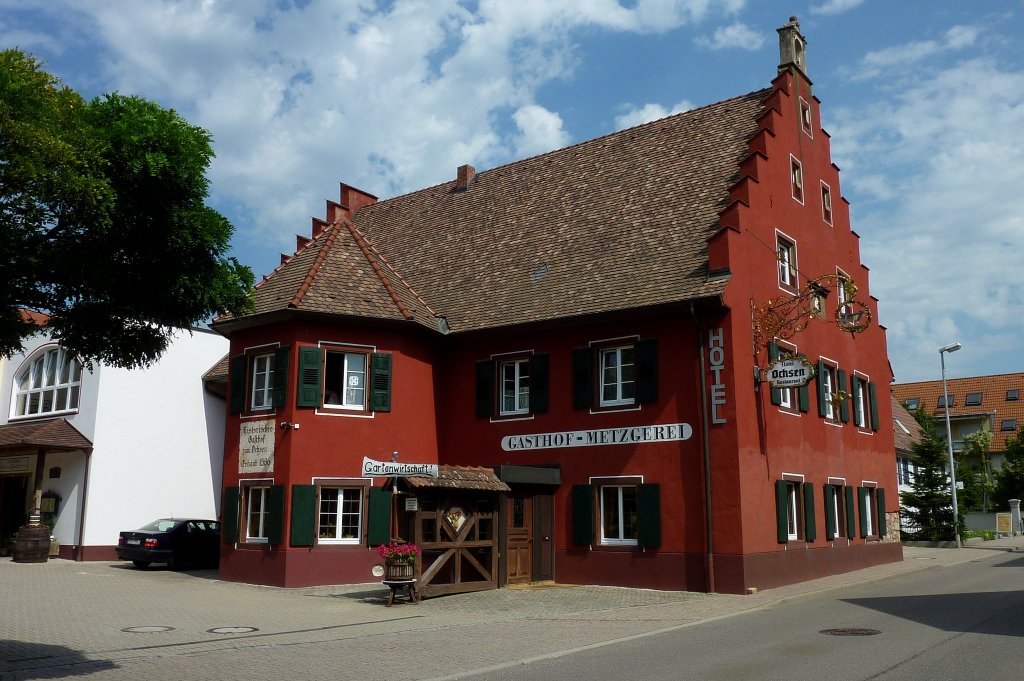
[
  {"x": 44, "y": 415},
  {"x": 617, "y": 548}
]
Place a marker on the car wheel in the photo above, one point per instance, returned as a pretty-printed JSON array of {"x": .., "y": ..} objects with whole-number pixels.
[{"x": 141, "y": 563}]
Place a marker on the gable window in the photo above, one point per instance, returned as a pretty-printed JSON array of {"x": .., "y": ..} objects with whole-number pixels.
[
  {"x": 340, "y": 515},
  {"x": 262, "y": 382},
  {"x": 826, "y": 203},
  {"x": 515, "y": 387},
  {"x": 1008, "y": 425},
  {"x": 796, "y": 172},
  {"x": 786, "y": 255},
  {"x": 912, "y": 403},
  {"x": 619, "y": 517},
  {"x": 615, "y": 374},
  {"x": 345, "y": 380},
  {"x": 942, "y": 401},
  {"x": 1013, "y": 394},
  {"x": 805, "y": 117},
  {"x": 618, "y": 383},
  {"x": 50, "y": 384},
  {"x": 972, "y": 399}
]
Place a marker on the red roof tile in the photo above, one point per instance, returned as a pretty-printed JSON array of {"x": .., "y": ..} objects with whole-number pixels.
[{"x": 46, "y": 434}]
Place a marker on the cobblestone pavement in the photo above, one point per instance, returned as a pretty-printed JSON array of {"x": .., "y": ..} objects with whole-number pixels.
[{"x": 111, "y": 621}]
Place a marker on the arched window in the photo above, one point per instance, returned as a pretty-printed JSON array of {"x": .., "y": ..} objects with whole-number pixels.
[{"x": 49, "y": 383}]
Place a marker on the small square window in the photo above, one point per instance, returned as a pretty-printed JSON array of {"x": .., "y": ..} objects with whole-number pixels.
[
  {"x": 942, "y": 401},
  {"x": 618, "y": 379},
  {"x": 1013, "y": 394},
  {"x": 972, "y": 399},
  {"x": 619, "y": 515},
  {"x": 345, "y": 380},
  {"x": 1008, "y": 425},
  {"x": 826, "y": 203},
  {"x": 339, "y": 519},
  {"x": 797, "y": 176},
  {"x": 913, "y": 403},
  {"x": 515, "y": 387},
  {"x": 805, "y": 116}
]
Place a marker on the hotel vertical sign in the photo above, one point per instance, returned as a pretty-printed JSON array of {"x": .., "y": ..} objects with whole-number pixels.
[{"x": 716, "y": 362}]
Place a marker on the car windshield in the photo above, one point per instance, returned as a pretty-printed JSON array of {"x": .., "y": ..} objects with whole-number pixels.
[{"x": 162, "y": 525}]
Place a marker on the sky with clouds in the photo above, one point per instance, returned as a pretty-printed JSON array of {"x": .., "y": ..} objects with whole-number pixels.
[{"x": 924, "y": 102}]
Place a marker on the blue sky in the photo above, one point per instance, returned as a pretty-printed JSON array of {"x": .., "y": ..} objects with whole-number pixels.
[{"x": 924, "y": 102}]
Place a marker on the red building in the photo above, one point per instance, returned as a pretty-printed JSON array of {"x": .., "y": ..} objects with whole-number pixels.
[{"x": 595, "y": 327}]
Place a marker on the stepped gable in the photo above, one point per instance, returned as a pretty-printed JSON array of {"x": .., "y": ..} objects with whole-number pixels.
[{"x": 618, "y": 222}]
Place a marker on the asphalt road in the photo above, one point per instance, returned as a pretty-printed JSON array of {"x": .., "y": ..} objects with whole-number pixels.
[{"x": 961, "y": 622}]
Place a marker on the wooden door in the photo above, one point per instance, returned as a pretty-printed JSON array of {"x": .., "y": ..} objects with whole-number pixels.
[
  {"x": 543, "y": 533},
  {"x": 519, "y": 535}
]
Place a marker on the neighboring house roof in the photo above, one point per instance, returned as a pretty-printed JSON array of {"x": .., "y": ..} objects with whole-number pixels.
[
  {"x": 908, "y": 430},
  {"x": 37, "y": 318},
  {"x": 618, "y": 222},
  {"x": 46, "y": 434},
  {"x": 993, "y": 389}
]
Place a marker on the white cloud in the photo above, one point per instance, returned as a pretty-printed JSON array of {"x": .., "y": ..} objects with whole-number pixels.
[
  {"x": 956, "y": 38},
  {"x": 835, "y": 6},
  {"x": 648, "y": 113},
  {"x": 540, "y": 130},
  {"x": 736, "y": 35}
]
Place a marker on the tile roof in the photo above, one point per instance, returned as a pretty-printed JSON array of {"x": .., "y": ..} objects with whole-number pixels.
[
  {"x": 993, "y": 391},
  {"x": 461, "y": 477},
  {"x": 617, "y": 222},
  {"x": 47, "y": 434},
  {"x": 910, "y": 433}
]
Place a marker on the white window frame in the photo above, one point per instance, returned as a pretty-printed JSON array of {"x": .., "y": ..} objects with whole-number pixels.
[
  {"x": 841, "y": 298},
  {"x": 260, "y": 536},
  {"x": 796, "y": 177},
  {"x": 792, "y": 510},
  {"x": 520, "y": 386},
  {"x": 48, "y": 382},
  {"x": 621, "y": 539},
  {"x": 785, "y": 255},
  {"x": 347, "y": 374},
  {"x": 837, "y": 501},
  {"x": 806, "y": 122},
  {"x": 869, "y": 508},
  {"x": 618, "y": 383},
  {"x": 826, "y": 203},
  {"x": 788, "y": 401},
  {"x": 261, "y": 397},
  {"x": 860, "y": 417},
  {"x": 343, "y": 493}
]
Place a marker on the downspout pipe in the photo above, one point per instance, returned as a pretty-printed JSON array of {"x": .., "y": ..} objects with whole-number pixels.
[{"x": 709, "y": 555}]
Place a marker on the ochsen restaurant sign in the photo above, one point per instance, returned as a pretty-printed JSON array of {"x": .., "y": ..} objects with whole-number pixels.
[
  {"x": 602, "y": 436},
  {"x": 790, "y": 373},
  {"x": 390, "y": 469}
]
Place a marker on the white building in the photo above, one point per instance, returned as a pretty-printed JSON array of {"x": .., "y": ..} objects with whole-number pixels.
[{"x": 110, "y": 448}]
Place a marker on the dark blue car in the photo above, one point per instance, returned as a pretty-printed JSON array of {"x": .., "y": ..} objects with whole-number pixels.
[{"x": 179, "y": 542}]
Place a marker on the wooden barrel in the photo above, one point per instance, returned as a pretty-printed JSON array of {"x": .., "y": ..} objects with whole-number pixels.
[
  {"x": 398, "y": 570},
  {"x": 32, "y": 544}
]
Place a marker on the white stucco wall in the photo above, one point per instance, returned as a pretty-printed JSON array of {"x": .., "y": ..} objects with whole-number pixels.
[{"x": 158, "y": 442}]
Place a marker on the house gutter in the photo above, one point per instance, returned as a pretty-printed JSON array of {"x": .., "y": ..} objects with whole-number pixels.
[{"x": 709, "y": 555}]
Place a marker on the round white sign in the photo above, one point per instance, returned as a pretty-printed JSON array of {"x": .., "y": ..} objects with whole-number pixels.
[{"x": 378, "y": 570}]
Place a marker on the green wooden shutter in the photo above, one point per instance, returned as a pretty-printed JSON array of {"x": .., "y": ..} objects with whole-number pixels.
[
  {"x": 873, "y": 405},
  {"x": 830, "y": 513},
  {"x": 378, "y": 530},
  {"x": 583, "y": 514},
  {"x": 274, "y": 525},
  {"x": 303, "y": 519},
  {"x": 880, "y": 499},
  {"x": 773, "y": 354},
  {"x": 229, "y": 515},
  {"x": 803, "y": 399},
  {"x": 844, "y": 408},
  {"x": 855, "y": 385},
  {"x": 646, "y": 371},
  {"x": 538, "y": 383},
  {"x": 380, "y": 382},
  {"x": 782, "y": 510},
  {"x": 862, "y": 509},
  {"x": 582, "y": 378},
  {"x": 237, "y": 388},
  {"x": 310, "y": 391},
  {"x": 280, "y": 376},
  {"x": 810, "y": 525},
  {"x": 851, "y": 518},
  {"x": 823, "y": 396},
  {"x": 648, "y": 506},
  {"x": 485, "y": 389}
]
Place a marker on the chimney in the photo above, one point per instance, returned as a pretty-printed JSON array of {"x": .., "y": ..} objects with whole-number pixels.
[
  {"x": 464, "y": 177},
  {"x": 792, "y": 47}
]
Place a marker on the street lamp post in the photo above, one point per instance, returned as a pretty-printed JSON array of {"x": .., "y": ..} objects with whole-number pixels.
[{"x": 952, "y": 347}]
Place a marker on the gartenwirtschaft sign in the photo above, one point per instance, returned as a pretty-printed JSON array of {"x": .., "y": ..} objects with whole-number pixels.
[
  {"x": 602, "y": 436},
  {"x": 390, "y": 469}
]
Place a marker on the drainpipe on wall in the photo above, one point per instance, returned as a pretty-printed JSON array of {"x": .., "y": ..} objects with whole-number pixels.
[
  {"x": 80, "y": 548},
  {"x": 708, "y": 530}
]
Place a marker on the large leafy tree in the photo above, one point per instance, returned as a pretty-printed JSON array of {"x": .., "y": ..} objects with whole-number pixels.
[
  {"x": 928, "y": 507},
  {"x": 103, "y": 220},
  {"x": 1010, "y": 478}
]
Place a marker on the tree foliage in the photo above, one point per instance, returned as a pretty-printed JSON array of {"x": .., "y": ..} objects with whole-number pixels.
[
  {"x": 927, "y": 508},
  {"x": 1010, "y": 479},
  {"x": 103, "y": 221},
  {"x": 974, "y": 469}
]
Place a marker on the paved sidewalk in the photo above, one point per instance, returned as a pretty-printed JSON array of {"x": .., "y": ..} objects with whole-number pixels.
[{"x": 109, "y": 620}]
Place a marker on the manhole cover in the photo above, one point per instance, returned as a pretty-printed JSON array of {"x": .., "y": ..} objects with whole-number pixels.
[
  {"x": 231, "y": 630},
  {"x": 147, "y": 630},
  {"x": 849, "y": 632}
]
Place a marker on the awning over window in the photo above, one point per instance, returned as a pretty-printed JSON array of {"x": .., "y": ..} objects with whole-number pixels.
[
  {"x": 52, "y": 434},
  {"x": 460, "y": 477}
]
